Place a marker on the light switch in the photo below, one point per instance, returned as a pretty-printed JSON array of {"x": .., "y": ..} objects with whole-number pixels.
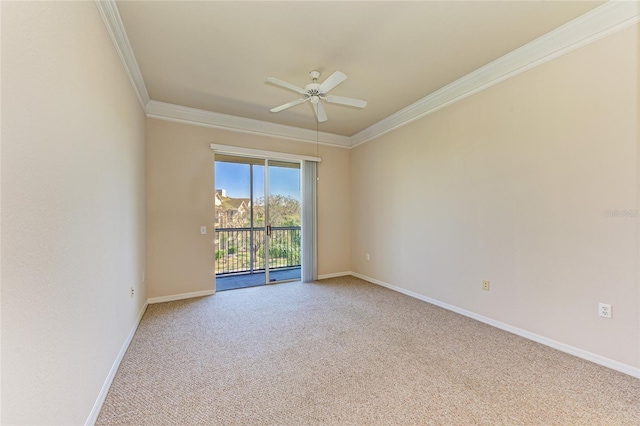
[{"x": 203, "y": 230}]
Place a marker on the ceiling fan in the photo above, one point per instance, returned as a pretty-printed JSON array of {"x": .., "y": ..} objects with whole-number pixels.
[{"x": 316, "y": 93}]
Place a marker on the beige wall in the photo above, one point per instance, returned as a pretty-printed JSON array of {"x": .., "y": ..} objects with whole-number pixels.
[
  {"x": 511, "y": 185},
  {"x": 180, "y": 199},
  {"x": 73, "y": 217}
]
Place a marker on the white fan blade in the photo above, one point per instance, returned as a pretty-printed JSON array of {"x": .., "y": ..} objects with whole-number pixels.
[
  {"x": 288, "y": 105},
  {"x": 358, "y": 103},
  {"x": 286, "y": 85},
  {"x": 321, "y": 114},
  {"x": 331, "y": 82}
]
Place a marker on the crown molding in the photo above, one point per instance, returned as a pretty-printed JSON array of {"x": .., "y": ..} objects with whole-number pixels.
[
  {"x": 181, "y": 114},
  {"x": 111, "y": 17},
  {"x": 602, "y": 21}
]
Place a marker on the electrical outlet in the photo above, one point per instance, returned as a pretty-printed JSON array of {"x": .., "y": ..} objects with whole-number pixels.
[
  {"x": 203, "y": 230},
  {"x": 367, "y": 256},
  {"x": 604, "y": 310},
  {"x": 132, "y": 291},
  {"x": 486, "y": 284}
]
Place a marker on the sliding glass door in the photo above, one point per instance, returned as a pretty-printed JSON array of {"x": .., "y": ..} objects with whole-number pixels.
[
  {"x": 258, "y": 221},
  {"x": 284, "y": 218}
]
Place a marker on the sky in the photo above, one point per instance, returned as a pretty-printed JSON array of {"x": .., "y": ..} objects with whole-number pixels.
[{"x": 234, "y": 178}]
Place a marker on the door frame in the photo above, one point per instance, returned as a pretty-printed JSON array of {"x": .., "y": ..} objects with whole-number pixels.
[{"x": 266, "y": 156}]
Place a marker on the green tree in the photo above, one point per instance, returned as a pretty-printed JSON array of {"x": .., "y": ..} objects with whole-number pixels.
[{"x": 284, "y": 210}]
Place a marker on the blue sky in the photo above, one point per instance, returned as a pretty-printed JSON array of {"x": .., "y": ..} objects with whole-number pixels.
[{"x": 234, "y": 178}]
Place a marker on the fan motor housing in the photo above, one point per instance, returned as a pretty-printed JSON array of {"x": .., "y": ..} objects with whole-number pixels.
[{"x": 312, "y": 88}]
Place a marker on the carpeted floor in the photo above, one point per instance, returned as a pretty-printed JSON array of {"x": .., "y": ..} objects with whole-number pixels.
[{"x": 343, "y": 351}]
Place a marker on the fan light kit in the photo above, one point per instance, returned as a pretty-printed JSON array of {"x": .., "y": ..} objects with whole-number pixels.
[{"x": 315, "y": 93}]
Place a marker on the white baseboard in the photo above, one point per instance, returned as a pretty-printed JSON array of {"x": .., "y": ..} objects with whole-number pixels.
[
  {"x": 334, "y": 275},
  {"x": 95, "y": 411},
  {"x": 181, "y": 296},
  {"x": 580, "y": 353}
]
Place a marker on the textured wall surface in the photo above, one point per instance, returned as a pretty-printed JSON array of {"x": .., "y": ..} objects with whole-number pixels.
[
  {"x": 180, "y": 199},
  {"x": 73, "y": 217},
  {"x": 518, "y": 185}
]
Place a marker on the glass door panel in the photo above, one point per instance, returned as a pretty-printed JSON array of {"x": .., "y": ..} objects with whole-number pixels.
[
  {"x": 284, "y": 220},
  {"x": 239, "y": 232}
]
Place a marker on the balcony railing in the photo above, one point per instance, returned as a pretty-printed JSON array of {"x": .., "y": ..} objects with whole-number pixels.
[{"x": 243, "y": 249}]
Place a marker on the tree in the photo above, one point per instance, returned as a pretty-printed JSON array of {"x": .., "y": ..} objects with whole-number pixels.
[{"x": 284, "y": 210}]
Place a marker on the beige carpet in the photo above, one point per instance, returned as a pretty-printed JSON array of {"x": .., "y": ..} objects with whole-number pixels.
[{"x": 343, "y": 351}]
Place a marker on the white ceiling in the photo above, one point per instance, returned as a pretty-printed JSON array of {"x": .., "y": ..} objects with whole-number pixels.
[
  {"x": 216, "y": 56},
  {"x": 206, "y": 63}
]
